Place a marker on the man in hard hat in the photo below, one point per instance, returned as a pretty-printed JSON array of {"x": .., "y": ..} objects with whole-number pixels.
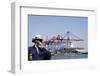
[{"x": 38, "y": 51}]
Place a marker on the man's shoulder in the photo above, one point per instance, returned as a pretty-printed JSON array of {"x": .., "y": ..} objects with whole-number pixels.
[{"x": 31, "y": 47}]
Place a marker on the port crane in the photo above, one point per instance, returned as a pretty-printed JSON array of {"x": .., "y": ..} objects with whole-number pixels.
[{"x": 67, "y": 39}]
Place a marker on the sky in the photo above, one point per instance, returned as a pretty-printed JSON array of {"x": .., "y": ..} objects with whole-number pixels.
[{"x": 54, "y": 25}]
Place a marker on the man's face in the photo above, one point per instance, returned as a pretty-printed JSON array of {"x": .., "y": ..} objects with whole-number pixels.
[{"x": 39, "y": 44}]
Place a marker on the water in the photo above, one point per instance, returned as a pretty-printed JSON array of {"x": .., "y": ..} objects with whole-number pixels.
[{"x": 70, "y": 57}]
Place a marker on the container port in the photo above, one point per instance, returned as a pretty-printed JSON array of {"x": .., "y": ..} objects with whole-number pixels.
[{"x": 63, "y": 45}]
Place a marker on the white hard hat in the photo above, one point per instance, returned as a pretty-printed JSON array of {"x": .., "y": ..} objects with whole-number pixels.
[{"x": 37, "y": 37}]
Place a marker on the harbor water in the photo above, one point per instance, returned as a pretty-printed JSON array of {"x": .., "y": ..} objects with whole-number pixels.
[{"x": 70, "y": 56}]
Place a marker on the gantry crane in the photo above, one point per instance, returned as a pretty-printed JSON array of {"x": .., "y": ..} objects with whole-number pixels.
[{"x": 68, "y": 38}]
